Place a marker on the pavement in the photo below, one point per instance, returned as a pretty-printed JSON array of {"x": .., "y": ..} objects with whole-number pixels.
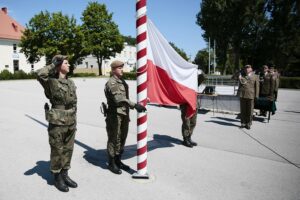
[{"x": 229, "y": 163}]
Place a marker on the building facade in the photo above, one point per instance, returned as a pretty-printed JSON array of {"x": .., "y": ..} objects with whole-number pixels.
[
  {"x": 127, "y": 55},
  {"x": 11, "y": 58}
]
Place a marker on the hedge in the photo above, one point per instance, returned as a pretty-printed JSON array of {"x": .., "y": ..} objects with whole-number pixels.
[
  {"x": 289, "y": 82},
  {"x": 129, "y": 75},
  {"x": 85, "y": 74},
  {"x": 7, "y": 75}
]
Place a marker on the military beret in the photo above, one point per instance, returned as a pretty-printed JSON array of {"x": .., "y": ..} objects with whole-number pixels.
[
  {"x": 116, "y": 63},
  {"x": 57, "y": 60},
  {"x": 247, "y": 66}
]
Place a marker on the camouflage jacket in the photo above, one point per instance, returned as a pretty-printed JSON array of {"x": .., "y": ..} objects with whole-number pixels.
[
  {"x": 117, "y": 95},
  {"x": 62, "y": 95}
]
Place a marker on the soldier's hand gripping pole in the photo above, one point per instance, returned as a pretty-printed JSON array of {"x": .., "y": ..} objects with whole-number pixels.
[{"x": 140, "y": 108}]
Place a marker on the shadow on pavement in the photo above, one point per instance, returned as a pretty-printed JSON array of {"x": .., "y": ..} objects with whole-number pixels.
[
  {"x": 227, "y": 119},
  {"x": 203, "y": 111},
  {"x": 260, "y": 119},
  {"x": 42, "y": 170},
  {"x": 222, "y": 123},
  {"x": 292, "y": 111},
  {"x": 99, "y": 157}
]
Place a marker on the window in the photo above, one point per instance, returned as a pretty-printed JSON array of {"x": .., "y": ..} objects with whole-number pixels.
[
  {"x": 16, "y": 65},
  {"x": 32, "y": 67},
  {"x": 15, "y": 48},
  {"x": 6, "y": 66}
]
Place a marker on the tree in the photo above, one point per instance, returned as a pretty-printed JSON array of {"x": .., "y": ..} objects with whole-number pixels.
[
  {"x": 179, "y": 51},
  {"x": 232, "y": 23},
  {"x": 253, "y": 32},
  {"x": 283, "y": 34},
  {"x": 49, "y": 34},
  {"x": 201, "y": 59},
  {"x": 102, "y": 37},
  {"x": 130, "y": 40}
]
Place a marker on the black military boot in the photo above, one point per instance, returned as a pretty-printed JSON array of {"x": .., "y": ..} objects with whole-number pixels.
[
  {"x": 192, "y": 142},
  {"x": 59, "y": 183},
  {"x": 120, "y": 164},
  {"x": 112, "y": 166},
  {"x": 186, "y": 142},
  {"x": 67, "y": 179}
]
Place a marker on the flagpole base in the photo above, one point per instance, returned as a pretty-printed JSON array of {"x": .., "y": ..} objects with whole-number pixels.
[
  {"x": 140, "y": 176},
  {"x": 143, "y": 178}
]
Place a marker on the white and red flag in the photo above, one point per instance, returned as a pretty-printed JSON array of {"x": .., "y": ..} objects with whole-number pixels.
[{"x": 171, "y": 79}]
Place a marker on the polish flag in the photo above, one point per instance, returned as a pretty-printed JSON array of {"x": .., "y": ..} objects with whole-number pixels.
[{"x": 171, "y": 79}]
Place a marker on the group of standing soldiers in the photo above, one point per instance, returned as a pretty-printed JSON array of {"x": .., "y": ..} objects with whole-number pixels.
[{"x": 255, "y": 88}]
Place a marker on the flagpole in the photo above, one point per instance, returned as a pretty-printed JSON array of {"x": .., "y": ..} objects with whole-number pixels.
[{"x": 141, "y": 31}]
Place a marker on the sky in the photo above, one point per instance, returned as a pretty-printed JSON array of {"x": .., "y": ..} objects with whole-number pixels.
[{"x": 175, "y": 19}]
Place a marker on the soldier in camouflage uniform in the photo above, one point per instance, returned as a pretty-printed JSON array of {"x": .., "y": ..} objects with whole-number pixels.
[
  {"x": 187, "y": 127},
  {"x": 117, "y": 116},
  {"x": 61, "y": 93},
  {"x": 188, "y": 124}
]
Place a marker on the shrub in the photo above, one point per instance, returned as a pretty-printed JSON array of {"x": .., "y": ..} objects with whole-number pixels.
[
  {"x": 129, "y": 75},
  {"x": 85, "y": 74},
  {"x": 289, "y": 82},
  {"x": 6, "y": 75}
]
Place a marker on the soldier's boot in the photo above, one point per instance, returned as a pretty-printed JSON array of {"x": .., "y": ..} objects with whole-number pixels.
[
  {"x": 59, "y": 183},
  {"x": 192, "y": 142},
  {"x": 120, "y": 164},
  {"x": 186, "y": 142},
  {"x": 67, "y": 179},
  {"x": 112, "y": 166}
]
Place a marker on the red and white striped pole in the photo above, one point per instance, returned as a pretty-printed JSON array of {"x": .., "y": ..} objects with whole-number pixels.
[{"x": 141, "y": 30}]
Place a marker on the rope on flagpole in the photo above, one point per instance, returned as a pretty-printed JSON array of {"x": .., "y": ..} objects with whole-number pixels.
[{"x": 141, "y": 30}]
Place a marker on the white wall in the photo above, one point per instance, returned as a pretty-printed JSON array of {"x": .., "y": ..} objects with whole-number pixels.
[
  {"x": 7, "y": 56},
  {"x": 127, "y": 55}
]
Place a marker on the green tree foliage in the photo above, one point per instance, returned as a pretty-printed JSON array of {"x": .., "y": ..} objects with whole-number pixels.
[
  {"x": 49, "y": 34},
  {"x": 130, "y": 40},
  {"x": 283, "y": 34},
  {"x": 201, "y": 60},
  {"x": 179, "y": 51},
  {"x": 254, "y": 32},
  {"x": 102, "y": 37}
]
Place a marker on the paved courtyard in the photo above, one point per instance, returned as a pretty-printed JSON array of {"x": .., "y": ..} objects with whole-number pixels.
[{"x": 229, "y": 163}]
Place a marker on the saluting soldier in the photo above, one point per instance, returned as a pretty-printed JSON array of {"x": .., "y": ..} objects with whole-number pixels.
[
  {"x": 117, "y": 116},
  {"x": 248, "y": 91},
  {"x": 61, "y": 92}
]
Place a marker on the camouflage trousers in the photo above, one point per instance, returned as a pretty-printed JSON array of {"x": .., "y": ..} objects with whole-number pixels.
[
  {"x": 117, "y": 131},
  {"x": 61, "y": 140},
  {"x": 247, "y": 106},
  {"x": 188, "y": 124}
]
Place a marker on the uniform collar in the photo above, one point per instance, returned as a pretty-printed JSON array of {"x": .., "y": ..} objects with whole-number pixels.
[{"x": 117, "y": 79}]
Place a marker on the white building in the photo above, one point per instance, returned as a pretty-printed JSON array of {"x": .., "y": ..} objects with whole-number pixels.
[
  {"x": 127, "y": 55},
  {"x": 10, "y": 56}
]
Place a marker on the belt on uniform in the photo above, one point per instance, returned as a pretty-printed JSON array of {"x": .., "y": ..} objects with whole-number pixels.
[{"x": 62, "y": 107}]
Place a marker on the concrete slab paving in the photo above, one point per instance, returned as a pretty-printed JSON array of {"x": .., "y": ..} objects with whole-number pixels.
[{"x": 228, "y": 163}]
